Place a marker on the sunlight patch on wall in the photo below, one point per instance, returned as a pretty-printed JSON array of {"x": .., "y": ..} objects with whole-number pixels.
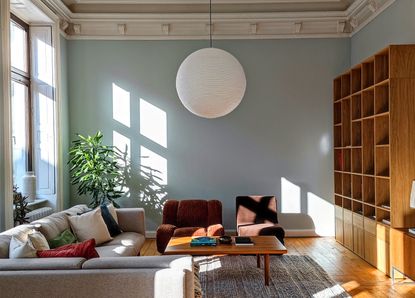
[
  {"x": 120, "y": 105},
  {"x": 153, "y": 123},
  {"x": 325, "y": 146},
  {"x": 322, "y": 213},
  {"x": 154, "y": 161},
  {"x": 290, "y": 197},
  {"x": 122, "y": 143}
]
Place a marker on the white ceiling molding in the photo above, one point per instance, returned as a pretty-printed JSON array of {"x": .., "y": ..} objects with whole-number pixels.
[{"x": 191, "y": 26}]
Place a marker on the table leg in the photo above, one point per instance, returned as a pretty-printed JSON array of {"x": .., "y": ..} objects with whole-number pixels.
[
  {"x": 258, "y": 260},
  {"x": 266, "y": 269}
]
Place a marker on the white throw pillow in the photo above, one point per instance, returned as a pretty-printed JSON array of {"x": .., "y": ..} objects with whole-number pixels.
[
  {"x": 90, "y": 225},
  {"x": 21, "y": 249},
  {"x": 39, "y": 241},
  {"x": 111, "y": 209}
]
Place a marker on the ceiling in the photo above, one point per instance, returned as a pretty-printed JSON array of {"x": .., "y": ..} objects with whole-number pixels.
[
  {"x": 231, "y": 19},
  {"x": 202, "y": 6}
]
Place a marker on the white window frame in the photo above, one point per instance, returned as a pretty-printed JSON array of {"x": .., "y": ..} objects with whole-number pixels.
[{"x": 6, "y": 71}]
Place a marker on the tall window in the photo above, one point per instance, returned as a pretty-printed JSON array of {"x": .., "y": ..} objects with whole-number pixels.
[
  {"x": 21, "y": 99},
  {"x": 33, "y": 106}
]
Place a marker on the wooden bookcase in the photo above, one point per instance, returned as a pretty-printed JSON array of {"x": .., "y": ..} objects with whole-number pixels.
[{"x": 374, "y": 133}]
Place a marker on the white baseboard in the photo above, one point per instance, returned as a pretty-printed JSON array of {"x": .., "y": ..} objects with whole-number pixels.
[{"x": 288, "y": 233}]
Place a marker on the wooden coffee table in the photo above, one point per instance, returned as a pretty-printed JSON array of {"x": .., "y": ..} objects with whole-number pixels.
[{"x": 263, "y": 245}]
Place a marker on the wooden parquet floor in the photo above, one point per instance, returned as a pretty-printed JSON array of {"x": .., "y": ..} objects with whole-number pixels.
[{"x": 356, "y": 276}]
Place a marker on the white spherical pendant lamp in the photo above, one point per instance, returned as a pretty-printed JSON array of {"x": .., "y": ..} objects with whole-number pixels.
[{"x": 210, "y": 83}]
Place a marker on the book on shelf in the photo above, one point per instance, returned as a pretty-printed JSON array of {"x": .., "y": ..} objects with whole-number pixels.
[
  {"x": 243, "y": 241},
  {"x": 203, "y": 241},
  {"x": 386, "y": 221}
]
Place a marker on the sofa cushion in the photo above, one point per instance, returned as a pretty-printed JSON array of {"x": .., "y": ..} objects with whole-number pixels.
[
  {"x": 76, "y": 210},
  {"x": 259, "y": 230},
  {"x": 38, "y": 241},
  {"x": 41, "y": 264},
  {"x": 174, "y": 261},
  {"x": 115, "y": 251},
  {"x": 4, "y": 246},
  {"x": 52, "y": 225},
  {"x": 21, "y": 249},
  {"x": 20, "y": 232},
  {"x": 84, "y": 249},
  {"x": 90, "y": 225},
  {"x": 192, "y": 213},
  {"x": 189, "y": 231},
  {"x": 66, "y": 237},
  {"x": 125, "y": 244},
  {"x": 113, "y": 212},
  {"x": 109, "y": 220}
]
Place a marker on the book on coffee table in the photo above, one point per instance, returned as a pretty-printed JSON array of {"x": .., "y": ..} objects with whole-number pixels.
[
  {"x": 203, "y": 241},
  {"x": 243, "y": 241}
]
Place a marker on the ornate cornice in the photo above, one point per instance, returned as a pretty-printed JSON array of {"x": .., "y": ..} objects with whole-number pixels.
[{"x": 171, "y": 26}]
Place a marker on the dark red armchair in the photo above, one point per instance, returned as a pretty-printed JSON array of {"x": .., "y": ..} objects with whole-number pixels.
[{"x": 189, "y": 218}]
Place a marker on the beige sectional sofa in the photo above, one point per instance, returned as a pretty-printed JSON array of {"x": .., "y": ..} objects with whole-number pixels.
[{"x": 119, "y": 272}]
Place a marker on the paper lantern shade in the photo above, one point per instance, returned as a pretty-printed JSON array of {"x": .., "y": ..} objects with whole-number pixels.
[{"x": 210, "y": 83}]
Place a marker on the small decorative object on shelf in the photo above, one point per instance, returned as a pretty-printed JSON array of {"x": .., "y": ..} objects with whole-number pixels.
[
  {"x": 243, "y": 241},
  {"x": 203, "y": 241},
  {"x": 386, "y": 221}
]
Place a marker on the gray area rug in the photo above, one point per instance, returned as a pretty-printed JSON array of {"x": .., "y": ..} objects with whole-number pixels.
[{"x": 291, "y": 276}]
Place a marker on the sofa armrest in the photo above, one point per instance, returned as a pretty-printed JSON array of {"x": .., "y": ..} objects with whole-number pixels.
[
  {"x": 177, "y": 262},
  {"x": 132, "y": 220},
  {"x": 215, "y": 230},
  {"x": 41, "y": 264},
  {"x": 143, "y": 283},
  {"x": 163, "y": 235}
]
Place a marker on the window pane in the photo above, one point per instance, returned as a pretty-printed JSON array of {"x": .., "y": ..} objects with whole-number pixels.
[
  {"x": 18, "y": 47},
  {"x": 19, "y": 131}
]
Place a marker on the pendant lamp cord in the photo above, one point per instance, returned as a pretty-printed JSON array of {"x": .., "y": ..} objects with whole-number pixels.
[{"x": 210, "y": 22}]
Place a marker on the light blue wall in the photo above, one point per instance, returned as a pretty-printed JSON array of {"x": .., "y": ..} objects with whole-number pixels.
[
  {"x": 281, "y": 129},
  {"x": 396, "y": 25}
]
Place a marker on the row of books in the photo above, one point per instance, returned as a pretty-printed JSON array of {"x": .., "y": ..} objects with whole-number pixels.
[{"x": 211, "y": 241}]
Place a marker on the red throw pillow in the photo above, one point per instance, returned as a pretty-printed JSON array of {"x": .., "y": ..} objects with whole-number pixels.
[{"x": 84, "y": 249}]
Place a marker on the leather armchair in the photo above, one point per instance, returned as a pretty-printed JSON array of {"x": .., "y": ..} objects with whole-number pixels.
[{"x": 189, "y": 218}]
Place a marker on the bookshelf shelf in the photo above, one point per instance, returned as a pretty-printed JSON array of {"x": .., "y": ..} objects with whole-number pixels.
[{"x": 374, "y": 136}]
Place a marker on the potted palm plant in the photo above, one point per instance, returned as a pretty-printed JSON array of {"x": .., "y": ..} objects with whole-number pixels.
[{"x": 95, "y": 170}]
